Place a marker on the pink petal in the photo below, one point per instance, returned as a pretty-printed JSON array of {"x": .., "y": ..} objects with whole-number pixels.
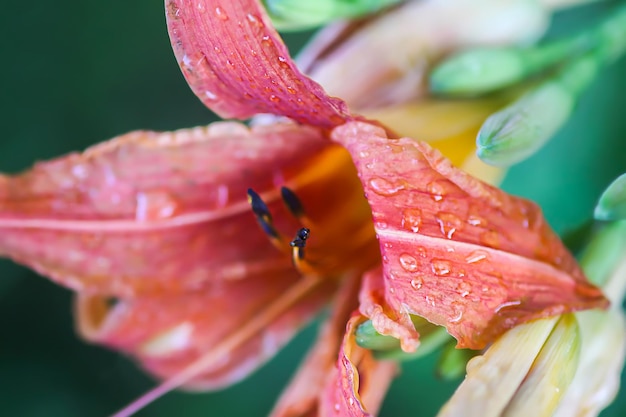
[
  {"x": 236, "y": 63},
  {"x": 155, "y": 211},
  {"x": 168, "y": 333},
  {"x": 302, "y": 395},
  {"x": 456, "y": 251},
  {"x": 359, "y": 383}
]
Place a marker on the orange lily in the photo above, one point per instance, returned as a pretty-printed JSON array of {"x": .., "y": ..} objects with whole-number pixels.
[{"x": 160, "y": 222}]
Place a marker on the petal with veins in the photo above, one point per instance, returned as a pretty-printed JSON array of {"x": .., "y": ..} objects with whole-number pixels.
[
  {"x": 166, "y": 333},
  {"x": 358, "y": 384},
  {"x": 236, "y": 63},
  {"x": 153, "y": 211},
  {"x": 456, "y": 251}
]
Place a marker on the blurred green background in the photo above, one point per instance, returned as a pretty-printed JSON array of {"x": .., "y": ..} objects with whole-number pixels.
[{"x": 75, "y": 72}]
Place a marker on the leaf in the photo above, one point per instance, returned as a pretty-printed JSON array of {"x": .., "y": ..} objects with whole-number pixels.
[
  {"x": 236, "y": 63},
  {"x": 157, "y": 212},
  {"x": 460, "y": 253}
]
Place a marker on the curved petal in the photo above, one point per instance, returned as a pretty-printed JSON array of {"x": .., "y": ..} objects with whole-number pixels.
[
  {"x": 236, "y": 63},
  {"x": 302, "y": 395},
  {"x": 384, "y": 60},
  {"x": 359, "y": 383},
  {"x": 156, "y": 211},
  {"x": 168, "y": 333},
  {"x": 456, "y": 251}
]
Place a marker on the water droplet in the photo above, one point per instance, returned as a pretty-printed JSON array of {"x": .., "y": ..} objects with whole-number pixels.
[
  {"x": 154, "y": 205},
  {"x": 266, "y": 41},
  {"x": 440, "y": 267},
  {"x": 491, "y": 239},
  {"x": 508, "y": 304},
  {"x": 430, "y": 301},
  {"x": 448, "y": 223},
  {"x": 475, "y": 220},
  {"x": 200, "y": 6},
  {"x": 385, "y": 188},
  {"x": 391, "y": 290},
  {"x": 457, "y": 312},
  {"x": 381, "y": 225},
  {"x": 291, "y": 90},
  {"x": 476, "y": 256},
  {"x": 421, "y": 251},
  {"x": 417, "y": 283},
  {"x": 337, "y": 407},
  {"x": 255, "y": 20},
  {"x": 210, "y": 95},
  {"x": 412, "y": 219},
  {"x": 364, "y": 154},
  {"x": 436, "y": 190},
  {"x": 283, "y": 62},
  {"x": 274, "y": 98},
  {"x": 464, "y": 288},
  {"x": 408, "y": 262},
  {"x": 351, "y": 401},
  {"x": 220, "y": 14}
]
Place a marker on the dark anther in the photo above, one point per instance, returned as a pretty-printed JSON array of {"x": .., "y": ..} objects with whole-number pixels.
[
  {"x": 292, "y": 201},
  {"x": 300, "y": 240},
  {"x": 258, "y": 206},
  {"x": 262, "y": 213}
]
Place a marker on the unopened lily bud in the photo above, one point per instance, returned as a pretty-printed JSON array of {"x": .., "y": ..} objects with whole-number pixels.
[
  {"x": 306, "y": 14},
  {"x": 551, "y": 373},
  {"x": 612, "y": 204},
  {"x": 482, "y": 70},
  {"x": 519, "y": 130},
  {"x": 453, "y": 361}
]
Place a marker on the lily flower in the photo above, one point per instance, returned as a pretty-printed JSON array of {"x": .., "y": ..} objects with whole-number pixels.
[{"x": 159, "y": 233}]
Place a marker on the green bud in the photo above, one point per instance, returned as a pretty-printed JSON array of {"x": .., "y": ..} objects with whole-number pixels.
[
  {"x": 612, "y": 204},
  {"x": 519, "y": 130},
  {"x": 482, "y": 70},
  {"x": 453, "y": 361},
  {"x": 605, "y": 250},
  {"x": 306, "y": 14},
  {"x": 388, "y": 347}
]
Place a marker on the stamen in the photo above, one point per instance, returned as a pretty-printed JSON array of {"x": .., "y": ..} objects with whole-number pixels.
[
  {"x": 264, "y": 217},
  {"x": 292, "y": 201},
  {"x": 294, "y": 205},
  {"x": 298, "y": 244}
]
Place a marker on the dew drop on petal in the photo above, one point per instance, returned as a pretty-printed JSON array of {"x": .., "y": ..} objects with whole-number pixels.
[
  {"x": 154, "y": 205},
  {"x": 274, "y": 98},
  {"x": 210, "y": 95},
  {"x": 441, "y": 267},
  {"x": 476, "y": 256},
  {"x": 220, "y": 14},
  {"x": 507, "y": 304},
  {"x": 412, "y": 219},
  {"x": 384, "y": 187},
  {"x": 464, "y": 289},
  {"x": 408, "y": 262},
  {"x": 436, "y": 190},
  {"x": 456, "y": 313},
  {"x": 448, "y": 224},
  {"x": 417, "y": 283}
]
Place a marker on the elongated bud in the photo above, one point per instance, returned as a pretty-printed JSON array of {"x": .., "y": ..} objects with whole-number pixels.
[
  {"x": 305, "y": 14},
  {"x": 453, "y": 361},
  {"x": 482, "y": 70},
  {"x": 612, "y": 204},
  {"x": 519, "y": 130},
  {"x": 551, "y": 373},
  {"x": 387, "y": 347}
]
